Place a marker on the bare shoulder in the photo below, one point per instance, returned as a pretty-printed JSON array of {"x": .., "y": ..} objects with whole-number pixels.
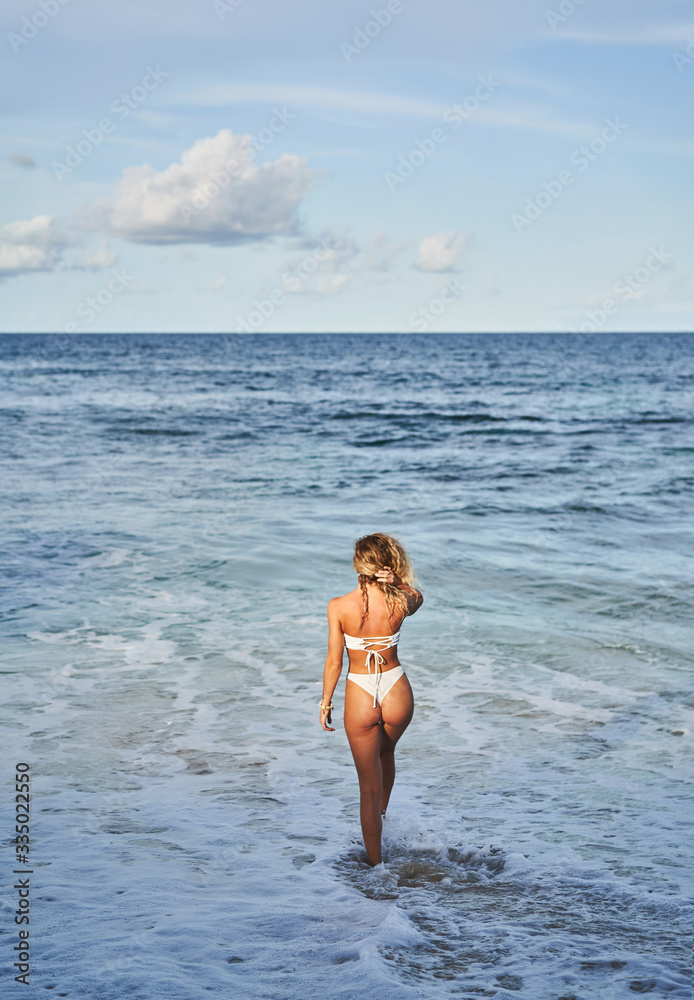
[{"x": 337, "y": 605}]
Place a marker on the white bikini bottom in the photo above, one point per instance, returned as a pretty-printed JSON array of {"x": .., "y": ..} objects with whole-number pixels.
[{"x": 378, "y": 684}]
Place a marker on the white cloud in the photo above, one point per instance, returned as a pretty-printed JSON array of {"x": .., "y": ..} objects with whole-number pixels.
[
  {"x": 216, "y": 195},
  {"x": 33, "y": 245},
  {"x": 492, "y": 288},
  {"x": 42, "y": 230},
  {"x": 329, "y": 282},
  {"x": 326, "y": 268},
  {"x": 380, "y": 252},
  {"x": 218, "y": 283},
  {"x": 39, "y": 244},
  {"x": 15, "y": 258},
  {"x": 442, "y": 251},
  {"x": 334, "y": 259},
  {"x": 94, "y": 260}
]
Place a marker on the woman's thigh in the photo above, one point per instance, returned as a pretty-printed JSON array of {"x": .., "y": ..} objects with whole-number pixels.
[
  {"x": 360, "y": 715},
  {"x": 363, "y": 730}
]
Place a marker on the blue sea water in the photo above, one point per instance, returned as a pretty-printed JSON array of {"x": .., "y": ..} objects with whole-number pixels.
[{"x": 177, "y": 511}]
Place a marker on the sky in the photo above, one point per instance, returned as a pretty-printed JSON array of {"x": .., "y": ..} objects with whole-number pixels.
[{"x": 407, "y": 166}]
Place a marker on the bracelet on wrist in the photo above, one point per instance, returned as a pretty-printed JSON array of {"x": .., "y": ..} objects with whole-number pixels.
[{"x": 325, "y": 708}]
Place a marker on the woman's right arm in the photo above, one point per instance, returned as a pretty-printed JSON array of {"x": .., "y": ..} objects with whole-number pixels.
[{"x": 333, "y": 663}]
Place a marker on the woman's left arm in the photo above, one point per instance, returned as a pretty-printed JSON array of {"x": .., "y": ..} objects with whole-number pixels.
[
  {"x": 333, "y": 663},
  {"x": 414, "y": 598}
]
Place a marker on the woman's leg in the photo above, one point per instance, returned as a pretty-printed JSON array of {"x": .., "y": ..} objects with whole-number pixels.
[
  {"x": 396, "y": 712},
  {"x": 367, "y": 728},
  {"x": 363, "y": 731}
]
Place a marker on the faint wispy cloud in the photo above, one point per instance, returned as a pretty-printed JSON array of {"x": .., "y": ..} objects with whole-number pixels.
[
  {"x": 308, "y": 96},
  {"x": 21, "y": 160},
  {"x": 528, "y": 118},
  {"x": 657, "y": 34}
]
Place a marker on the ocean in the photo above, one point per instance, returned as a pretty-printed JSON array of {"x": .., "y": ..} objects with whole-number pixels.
[{"x": 177, "y": 510}]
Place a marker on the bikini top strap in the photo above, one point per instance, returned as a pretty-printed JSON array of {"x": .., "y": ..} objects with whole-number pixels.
[{"x": 368, "y": 641}]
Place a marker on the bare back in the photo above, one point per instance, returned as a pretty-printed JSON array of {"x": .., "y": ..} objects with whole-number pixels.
[{"x": 350, "y": 608}]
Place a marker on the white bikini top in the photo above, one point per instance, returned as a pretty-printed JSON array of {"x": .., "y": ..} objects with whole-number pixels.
[{"x": 372, "y": 655}]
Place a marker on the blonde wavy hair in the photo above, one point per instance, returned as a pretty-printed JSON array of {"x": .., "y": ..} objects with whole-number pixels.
[{"x": 381, "y": 551}]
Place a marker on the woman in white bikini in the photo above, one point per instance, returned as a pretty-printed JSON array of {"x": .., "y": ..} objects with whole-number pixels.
[{"x": 378, "y": 702}]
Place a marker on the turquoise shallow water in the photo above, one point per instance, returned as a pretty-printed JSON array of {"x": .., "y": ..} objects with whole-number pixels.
[{"x": 176, "y": 513}]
